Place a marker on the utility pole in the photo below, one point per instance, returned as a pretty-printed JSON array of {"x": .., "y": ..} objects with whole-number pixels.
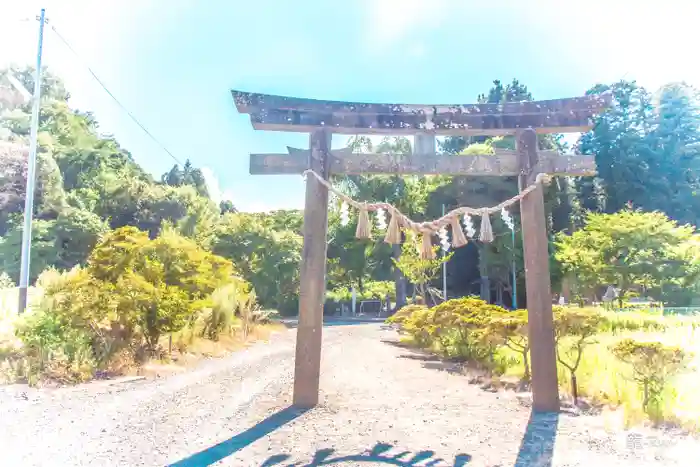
[
  {"x": 515, "y": 281},
  {"x": 508, "y": 220},
  {"x": 445, "y": 247},
  {"x": 31, "y": 175}
]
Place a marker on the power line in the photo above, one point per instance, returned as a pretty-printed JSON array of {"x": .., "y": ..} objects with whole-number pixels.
[{"x": 99, "y": 81}]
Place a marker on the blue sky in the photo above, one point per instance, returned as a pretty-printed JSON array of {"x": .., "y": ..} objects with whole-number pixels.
[{"x": 172, "y": 63}]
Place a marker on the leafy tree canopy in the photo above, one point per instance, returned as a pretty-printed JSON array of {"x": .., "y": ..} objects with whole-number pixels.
[{"x": 633, "y": 250}]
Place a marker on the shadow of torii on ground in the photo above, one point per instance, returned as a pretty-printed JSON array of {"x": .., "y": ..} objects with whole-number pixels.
[
  {"x": 536, "y": 448},
  {"x": 379, "y": 454}
]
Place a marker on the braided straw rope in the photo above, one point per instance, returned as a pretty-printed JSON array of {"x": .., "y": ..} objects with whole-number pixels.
[{"x": 432, "y": 226}]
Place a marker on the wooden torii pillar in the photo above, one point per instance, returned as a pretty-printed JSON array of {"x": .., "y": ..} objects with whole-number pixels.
[{"x": 323, "y": 118}]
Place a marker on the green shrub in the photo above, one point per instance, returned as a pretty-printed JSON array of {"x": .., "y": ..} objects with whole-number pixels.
[
  {"x": 154, "y": 286},
  {"x": 54, "y": 350},
  {"x": 6, "y": 281},
  {"x": 80, "y": 301},
  {"x": 461, "y": 327},
  {"x": 512, "y": 328},
  {"x": 50, "y": 277},
  {"x": 403, "y": 314},
  {"x": 418, "y": 325},
  {"x": 578, "y": 326},
  {"x": 222, "y": 314},
  {"x": 371, "y": 290},
  {"x": 133, "y": 291},
  {"x": 250, "y": 313},
  {"x": 653, "y": 364},
  {"x": 160, "y": 309},
  {"x": 456, "y": 328}
]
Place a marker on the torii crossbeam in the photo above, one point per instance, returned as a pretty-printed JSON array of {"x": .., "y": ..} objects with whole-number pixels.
[{"x": 323, "y": 118}]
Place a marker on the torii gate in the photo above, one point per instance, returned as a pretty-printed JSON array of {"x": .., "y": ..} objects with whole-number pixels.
[{"x": 322, "y": 118}]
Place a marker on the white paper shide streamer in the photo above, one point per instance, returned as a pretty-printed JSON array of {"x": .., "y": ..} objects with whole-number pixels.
[
  {"x": 444, "y": 240},
  {"x": 399, "y": 222},
  {"x": 344, "y": 214},
  {"x": 507, "y": 219},
  {"x": 469, "y": 226},
  {"x": 381, "y": 219}
]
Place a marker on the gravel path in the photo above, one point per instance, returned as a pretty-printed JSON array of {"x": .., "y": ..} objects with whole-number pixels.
[{"x": 381, "y": 405}]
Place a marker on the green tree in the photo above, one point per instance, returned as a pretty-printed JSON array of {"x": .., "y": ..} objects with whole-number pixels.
[
  {"x": 495, "y": 259},
  {"x": 634, "y": 250},
  {"x": 227, "y": 206},
  {"x": 156, "y": 285},
  {"x": 61, "y": 243},
  {"x": 647, "y": 153},
  {"x": 188, "y": 175},
  {"x": 675, "y": 153},
  {"x": 49, "y": 196},
  {"x": 420, "y": 272},
  {"x": 52, "y": 86},
  {"x": 353, "y": 262},
  {"x": 76, "y": 231},
  {"x": 267, "y": 258},
  {"x": 44, "y": 252},
  {"x": 618, "y": 141},
  {"x": 408, "y": 194}
]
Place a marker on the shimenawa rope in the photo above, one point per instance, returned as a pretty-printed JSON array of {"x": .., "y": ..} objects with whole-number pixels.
[{"x": 426, "y": 229}]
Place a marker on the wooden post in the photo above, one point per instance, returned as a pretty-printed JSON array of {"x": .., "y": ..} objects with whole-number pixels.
[
  {"x": 545, "y": 389},
  {"x": 307, "y": 362}
]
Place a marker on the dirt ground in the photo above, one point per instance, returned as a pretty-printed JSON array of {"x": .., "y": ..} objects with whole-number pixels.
[{"x": 381, "y": 405}]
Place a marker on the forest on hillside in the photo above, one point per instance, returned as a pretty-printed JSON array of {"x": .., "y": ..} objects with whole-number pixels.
[{"x": 646, "y": 146}]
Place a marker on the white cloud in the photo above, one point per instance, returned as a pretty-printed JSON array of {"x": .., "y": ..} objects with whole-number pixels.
[
  {"x": 417, "y": 50},
  {"x": 243, "y": 202},
  {"x": 390, "y": 21},
  {"x": 262, "y": 206},
  {"x": 651, "y": 42},
  {"x": 213, "y": 187},
  {"x": 257, "y": 206}
]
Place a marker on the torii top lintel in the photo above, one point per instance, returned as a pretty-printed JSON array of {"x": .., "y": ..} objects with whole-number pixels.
[{"x": 293, "y": 114}]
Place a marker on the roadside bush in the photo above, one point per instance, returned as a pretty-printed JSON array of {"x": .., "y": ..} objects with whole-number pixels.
[
  {"x": 133, "y": 291},
  {"x": 588, "y": 354},
  {"x": 578, "y": 327},
  {"x": 234, "y": 305},
  {"x": 221, "y": 316},
  {"x": 456, "y": 328},
  {"x": 160, "y": 308},
  {"x": 54, "y": 350},
  {"x": 419, "y": 325},
  {"x": 251, "y": 314},
  {"x": 461, "y": 328},
  {"x": 653, "y": 365},
  {"x": 404, "y": 313},
  {"x": 50, "y": 277},
  {"x": 512, "y": 329},
  {"x": 157, "y": 286}
]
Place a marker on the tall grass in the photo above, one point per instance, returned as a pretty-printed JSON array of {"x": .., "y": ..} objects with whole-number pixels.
[
  {"x": 605, "y": 379},
  {"x": 9, "y": 301}
]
